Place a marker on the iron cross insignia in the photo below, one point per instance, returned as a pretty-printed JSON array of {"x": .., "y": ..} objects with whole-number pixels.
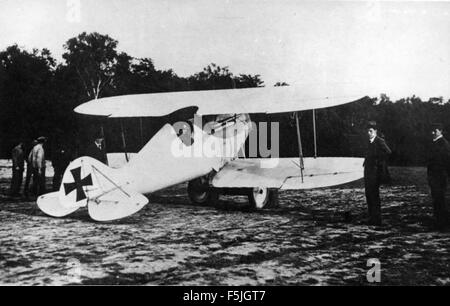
[{"x": 78, "y": 184}]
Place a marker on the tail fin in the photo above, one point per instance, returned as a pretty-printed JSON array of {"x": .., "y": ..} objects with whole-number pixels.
[
  {"x": 65, "y": 201},
  {"x": 105, "y": 191}
]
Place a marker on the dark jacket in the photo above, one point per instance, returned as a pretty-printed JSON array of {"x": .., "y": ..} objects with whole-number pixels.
[
  {"x": 61, "y": 160},
  {"x": 439, "y": 157},
  {"x": 18, "y": 159},
  {"x": 377, "y": 153},
  {"x": 99, "y": 154},
  {"x": 375, "y": 162}
]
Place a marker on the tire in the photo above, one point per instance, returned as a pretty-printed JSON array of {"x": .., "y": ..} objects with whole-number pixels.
[
  {"x": 200, "y": 193},
  {"x": 260, "y": 198}
]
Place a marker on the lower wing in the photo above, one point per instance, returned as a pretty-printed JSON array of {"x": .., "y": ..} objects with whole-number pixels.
[{"x": 284, "y": 173}]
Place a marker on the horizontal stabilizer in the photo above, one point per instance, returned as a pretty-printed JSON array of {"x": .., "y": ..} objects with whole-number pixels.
[
  {"x": 116, "y": 205},
  {"x": 49, "y": 203}
]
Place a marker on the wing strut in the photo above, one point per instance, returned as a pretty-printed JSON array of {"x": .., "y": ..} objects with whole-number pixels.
[
  {"x": 124, "y": 144},
  {"x": 102, "y": 131},
  {"x": 300, "y": 150},
  {"x": 315, "y": 133},
  {"x": 141, "y": 132}
]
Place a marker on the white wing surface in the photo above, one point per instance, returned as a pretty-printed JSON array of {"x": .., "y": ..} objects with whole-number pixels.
[
  {"x": 225, "y": 101},
  {"x": 284, "y": 173}
]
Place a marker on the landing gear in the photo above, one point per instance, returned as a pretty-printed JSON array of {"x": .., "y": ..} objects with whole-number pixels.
[
  {"x": 200, "y": 193},
  {"x": 260, "y": 198}
]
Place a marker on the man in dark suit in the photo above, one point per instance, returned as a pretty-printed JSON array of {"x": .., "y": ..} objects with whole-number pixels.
[
  {"x": 438, "y": 168},
  {"x": 97, "y": 150},
  {"x": 60, "y": 161},
  {"x": 18, "y": 162},
  {"x": 374, "y": 167}
]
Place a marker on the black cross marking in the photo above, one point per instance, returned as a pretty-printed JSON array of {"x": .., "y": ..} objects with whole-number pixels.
[{"x": 78, "y": 184}]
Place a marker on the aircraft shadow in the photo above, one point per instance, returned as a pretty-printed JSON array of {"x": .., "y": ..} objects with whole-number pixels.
[{"x": 238, "y": 203}]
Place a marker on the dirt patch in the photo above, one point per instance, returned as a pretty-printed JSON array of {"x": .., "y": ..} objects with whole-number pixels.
[{"x": 307, "y": 240}]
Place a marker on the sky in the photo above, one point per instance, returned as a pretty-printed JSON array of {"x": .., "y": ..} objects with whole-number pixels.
[{"x": 397, "y": 48}]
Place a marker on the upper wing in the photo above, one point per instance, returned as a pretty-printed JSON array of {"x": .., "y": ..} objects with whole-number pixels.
[
  {"x": 284, "y": 173},
  {"x": 224, "y": 101}
]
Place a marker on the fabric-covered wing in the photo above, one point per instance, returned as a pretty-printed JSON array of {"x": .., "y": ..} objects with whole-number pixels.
[
  {"x": 284, "y": 173},
  {"x": 225, "y": 101}
]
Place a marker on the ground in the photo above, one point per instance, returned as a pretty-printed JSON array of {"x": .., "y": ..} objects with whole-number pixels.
[{"x": 305, "y": 241}]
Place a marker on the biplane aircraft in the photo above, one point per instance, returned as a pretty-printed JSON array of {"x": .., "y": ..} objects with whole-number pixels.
[{"x": 168, "y": 158}]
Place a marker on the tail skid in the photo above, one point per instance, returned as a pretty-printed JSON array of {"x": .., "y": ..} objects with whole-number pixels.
[{"x": 107, "y": 192}]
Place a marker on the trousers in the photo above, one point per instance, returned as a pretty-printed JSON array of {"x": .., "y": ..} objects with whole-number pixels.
[
  {"x": 372, "y": 190},
  {"x": 438, "y": 187},
  {"x": 16, "y": 181}
]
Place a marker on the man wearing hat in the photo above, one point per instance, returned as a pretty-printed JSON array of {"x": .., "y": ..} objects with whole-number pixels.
[
  {"x": 97, "y": 150},
  {"x": 374, "y": 166},
  {"x": 438, "y": 168},
  {"x": 38, "y": 166}
]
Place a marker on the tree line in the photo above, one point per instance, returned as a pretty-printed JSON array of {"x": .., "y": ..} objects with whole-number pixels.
[{"x": 38, "y": 95}]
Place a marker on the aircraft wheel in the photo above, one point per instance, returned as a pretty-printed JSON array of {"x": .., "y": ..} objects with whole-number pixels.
[
  {"x": 200, "y": 193},
  {"x": 261, "y": 198}
]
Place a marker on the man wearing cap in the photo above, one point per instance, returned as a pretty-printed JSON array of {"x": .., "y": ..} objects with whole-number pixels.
[
  {"x": 374, "y": 165},
  {"x": 438, "y": 168},
  {"x": 38, "y": 165}
]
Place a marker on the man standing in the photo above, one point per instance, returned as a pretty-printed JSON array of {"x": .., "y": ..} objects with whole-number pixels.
[
  {"x": 438, "y": 168},
  {"x": 374, "y": 165},
  {"x": 38, "y": 164},
  {"x": 29, "y": 173},
  {"x": 60, "y": 161},
  {"x": 96, "y": 150},
  {"x": 18, "y": 160}
]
